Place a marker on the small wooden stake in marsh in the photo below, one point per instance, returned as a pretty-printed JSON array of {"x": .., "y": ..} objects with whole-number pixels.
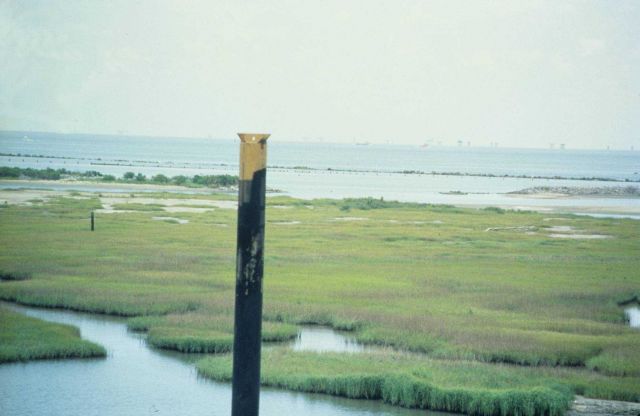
[
  {"x": 249, "y": 266},
  {"x": 92, "y": 221}
]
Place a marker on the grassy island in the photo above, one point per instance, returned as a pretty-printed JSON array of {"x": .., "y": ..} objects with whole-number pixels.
[{"x": 24, "y": 338}]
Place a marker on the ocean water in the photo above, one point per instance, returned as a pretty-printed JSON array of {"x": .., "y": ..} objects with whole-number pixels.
[
  {"x": 383, "y": 158},
  {"x": 348, "y": 170}
]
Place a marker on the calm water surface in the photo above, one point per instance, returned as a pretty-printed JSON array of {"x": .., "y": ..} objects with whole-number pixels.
[
  {"x": 374, "y": 165},
  {"x": 137, "y": 380},
  {"x": 633, "y": 313},
  {"x": 321, "y": 339},
  {"x": 198, "y": 152}
]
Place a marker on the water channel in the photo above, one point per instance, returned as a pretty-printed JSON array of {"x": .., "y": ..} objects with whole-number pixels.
[
  {"x": 633, "y": 315},
  {"x": 137, "y": 380}
]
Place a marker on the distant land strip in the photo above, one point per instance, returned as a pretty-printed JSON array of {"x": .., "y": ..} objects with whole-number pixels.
[
  {"x": 169, "y": 164},
  {"x": 196, "y": 181}
]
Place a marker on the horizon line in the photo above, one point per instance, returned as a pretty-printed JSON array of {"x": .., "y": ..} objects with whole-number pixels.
[{"x": 321, "y": 140}]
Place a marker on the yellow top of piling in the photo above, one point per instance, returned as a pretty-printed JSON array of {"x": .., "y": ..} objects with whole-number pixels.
[
  {"x": 253, "y": 137},
  {"x": 253, "y": 154}
]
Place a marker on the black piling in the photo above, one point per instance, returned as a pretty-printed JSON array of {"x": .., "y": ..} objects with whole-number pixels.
[{"x": 248, "y": 303}]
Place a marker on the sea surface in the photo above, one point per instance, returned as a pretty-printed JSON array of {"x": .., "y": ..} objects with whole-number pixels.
[{"x": 477, "y": 176}]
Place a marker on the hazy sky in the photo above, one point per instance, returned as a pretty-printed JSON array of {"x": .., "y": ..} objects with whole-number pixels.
[{"x": 520, "y": 73}]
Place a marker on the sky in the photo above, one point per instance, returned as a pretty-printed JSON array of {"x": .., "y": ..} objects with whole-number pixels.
[{"x": 516, "y": 73}]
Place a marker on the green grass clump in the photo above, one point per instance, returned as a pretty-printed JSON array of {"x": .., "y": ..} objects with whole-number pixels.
[
  {"x": 143, "y": 323},
  {"x": 335, "y": 321},
  {"x": 408, "y": 381},
  {"x": 14, "y": 275},
  {"x": 198, "y": 332},
  {"x": 24, "y": 338},
  {"x": 278, "y": 332},
  {"x": 121, "y": 299},
  {"x": 497, "y": 210},
  {"x": 620, "y": 361},
  {"x": 76, "y": 208},
  {"x": 374, "y": 203},
  {"x": 190, "y": 340},
  {"x": 132, "y": 206},
  {"x": 615, "y": 355}
]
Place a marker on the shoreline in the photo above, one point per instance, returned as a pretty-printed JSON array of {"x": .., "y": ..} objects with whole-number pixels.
[
  {"x": 310, "y": 169},
  {"x": 140, "y": 187},
  {"x": 628, "y": 191},
  {"x": 511, "y": 200}
]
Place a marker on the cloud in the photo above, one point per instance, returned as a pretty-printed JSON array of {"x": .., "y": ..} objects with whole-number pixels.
[
  {"x": 591, "y": 46},
  {"x": 404, "y": 70}
]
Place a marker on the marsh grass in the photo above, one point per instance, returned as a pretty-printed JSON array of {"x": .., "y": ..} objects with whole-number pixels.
[
  {"x": 24, "y": 338},
  {"x": 416, "y": 277},
  {"x": 14, "y": 275},
  {"x": 522, "y": 347},
  {"x": 201, "y": 333},
  {"x": 190, "y": 340},
  {"x": 621, "y": 361},
  {"x": 469, "y": 388},
  {"x": 132, "y": 206}
]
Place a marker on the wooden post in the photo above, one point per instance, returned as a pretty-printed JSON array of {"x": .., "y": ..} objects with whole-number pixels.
[
  {"x": 249, "y": 268},
  {"x": 92, "y": 221}
]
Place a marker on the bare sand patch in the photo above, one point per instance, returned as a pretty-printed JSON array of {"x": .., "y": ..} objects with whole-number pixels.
[
  {"x": 187, "y": 209},
  {"x": 26, "y": 197},
  {"x": 171, "y": 202},
  {"x": 569, "y": 232},
  {"x": 520, "y": 228},
  {"x": 562, "y": 229},
  {"x": 106, "y": 186},
  {"x": 171, "y": 219},
  {"x": 197, "y": 206},
  {"x": 110, "y": 210},
  {"x": 349, "y": 219},
  {"x": 285, "y": 222},
  {"x": 581, "y": 236},
  {"x": 529, "y": 208},
  {"x": 595, "y": 407},
  {"x": 437, "y": 222}
]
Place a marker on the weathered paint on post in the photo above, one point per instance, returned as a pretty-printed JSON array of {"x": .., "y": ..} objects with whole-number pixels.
[{"x": 249, "y": 268}]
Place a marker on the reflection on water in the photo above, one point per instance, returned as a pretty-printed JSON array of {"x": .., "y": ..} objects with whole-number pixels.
[
  {"x": 620, "y": 216},
  {"x": 633, "y": 314},
  {"x": 137, "y": 380},
  {"x": 319, "y": 339}
]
